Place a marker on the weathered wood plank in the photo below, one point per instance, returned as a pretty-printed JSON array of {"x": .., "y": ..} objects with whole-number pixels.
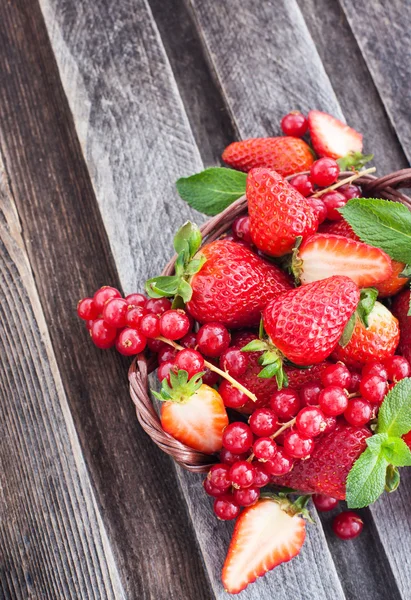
[
  {"x": 52, "y": 541},
  {"x": 86, "y": 83},
  {"x": 135, "y": 487}
]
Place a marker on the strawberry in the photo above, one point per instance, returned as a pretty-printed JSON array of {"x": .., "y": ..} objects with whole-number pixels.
[
  {"x": 400, "y": 309},
  {"x": 233, "y": 285},
  {"x": 331, "y": 137},
  {"x": 407, "y": 439},
  {"x": 306, "y": 323},
  {"x": 265, "y": 536},
  {"x": 326, "y": 470},
  {"x": 298, "y": 377},
  {"x": 279, "y": 214},
  {"x": 286, "y": 155},
  {"x": 323, "y": 255},
  {"x": 192, "y": 412},
  {"x": 388, "y": 287},
  {"x": 377, "y": 342}
]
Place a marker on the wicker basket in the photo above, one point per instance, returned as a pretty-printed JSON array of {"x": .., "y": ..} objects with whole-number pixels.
[{"x": 192, "y": 460}]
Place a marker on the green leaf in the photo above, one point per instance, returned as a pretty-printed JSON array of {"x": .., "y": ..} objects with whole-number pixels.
[
  {"x": 195, "y": 265},
  {"x": 269, "y": 358},
  {"x": 184, "y": 290},
  {"x": 381, "y": 223},
  {"x": 375, "y": 442},
  {"x": 354, "y": 161},
  {"x": 348, "y": 331},
  {"x": 166, "y": 285},
  {"x": 366, "y": 480},
  {"x": 270, "y": 370},
  {"x": 392, "y": 479},
  {"x": 212, "y": 190},
  {"x": 255, "y": 346},
  {"x": 366, "y": 304},
  {"x": 188, "y": 239},
  {"x": 394, "y": 416},
  {"x": 396, "y": 452},
  {"x": 406, "y": 272}
]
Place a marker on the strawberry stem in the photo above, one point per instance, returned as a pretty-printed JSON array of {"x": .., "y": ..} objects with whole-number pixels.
[
  {"x": 344, "y": 181},
  {"x": 212, "y": 367}
]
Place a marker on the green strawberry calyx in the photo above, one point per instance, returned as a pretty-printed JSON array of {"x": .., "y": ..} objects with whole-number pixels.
[
  {"x": 187, "y": 242},
  {"x": 292, "y": 508},
  {"x": 368, "y": 298},
  {"x": 354, "y": 161},
  {"x": 180, "y": 389},
  {"x": 271, "y": 360}
]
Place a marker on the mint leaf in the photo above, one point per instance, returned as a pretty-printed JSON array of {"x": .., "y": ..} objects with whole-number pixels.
[
  {"x": 381, "y": 223},
  {"x": 212, "y": 190},
  {"x": 375, "y": 442},
  {"x": 366, "y": 480},
  {"x": 396, "y": 452},
  {"x": 392, "y": 479},
  {"x": 354, "y": 161},
  {"x": 394, "y": 417}
]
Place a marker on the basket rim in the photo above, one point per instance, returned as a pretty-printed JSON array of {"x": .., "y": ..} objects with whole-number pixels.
[{"x": 385, "y": 187}]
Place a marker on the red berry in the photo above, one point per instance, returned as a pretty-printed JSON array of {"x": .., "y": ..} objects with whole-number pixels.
[
  {"x": 319, "y": 208},
  {"x": 358, "y": 412},
  {"x": 242, "y": 474},
  {"x": 350, "y": 191},
  {"x": 241, "y": 229},
  {"x": 164, "y": 369},
  {"x": 281, "y": 464},
  {"x": 115, "y": 312},
  {"x": 166, "y": 353},
  {"x": 374, "y": 368},
  {"x": 333, "y": 401},
  {"x": 324, "y": 503},
  {"x": 158, "y": 306},
  {"x": 294, "y": 124},
  {"x": 130, "y": 342},
  {"x": 246, "y": 497},
  {"x": 102, "y": 334},
  {"x": 347, "y": 525},
  {"x": 285, "y": 403},
  {"x": 219, "y": 476},
  {"x": 334, "y": 200},
  {"x": 150, "y": 326},
  {"x": 310, "y": 421},
  {"x": 309, "y": 393},
  {"x": 262, "y": 478},
  {"x": 263, "y": 422},
  {"x": 264, "y": 448},
  {"x": 355, "y": 382},
  {"x": 237, "y": 437},
  {"x": 213, "y": 339},
  {"x": 134, "y": 316},
  {"x": 232, "y": 397},
  {"x": 397, "y": 367},
  {"x": 373, "y": 388},
  {"x": 330, "y": 424},
  {"x": 225, "y": 508},
  {"x": 324, "y": 172},
  {"x": 136, "y": 300},
  {"x": 302, "y": 184},
  {"x": 228, "y": 458},
  {"x": 156, "y": 345},
  {"x": 211, "y": 490},
  {"x": 189, "y": 340},
  {"x": 89, "y": 324},
  {"x": 103, "y": 295},
  {"x": 297, "y": 446},
  {"x": 87, "y": 310},
  {"x": 337, "y": 374},
  {"x": 190, "y": 361},
  {"x": 234, "y": 362},
  {"x": 174, "y": 324}
]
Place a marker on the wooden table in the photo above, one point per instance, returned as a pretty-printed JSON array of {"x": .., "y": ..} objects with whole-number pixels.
[{"x": 103, "y": 105}]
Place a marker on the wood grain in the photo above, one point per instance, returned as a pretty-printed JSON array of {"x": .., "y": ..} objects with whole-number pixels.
[
  {"x": 52, "y": 541},
  {"x": 135, "y": 486}
]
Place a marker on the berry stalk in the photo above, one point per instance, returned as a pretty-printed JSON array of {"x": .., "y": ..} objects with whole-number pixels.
[
  {"x": 350, "y": 179},
  {"x": 212, "y": 367},
  {"x": 276, "y": 434}
]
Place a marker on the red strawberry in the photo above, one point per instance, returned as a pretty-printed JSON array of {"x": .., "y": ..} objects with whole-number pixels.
[
  {"x": 278, "y": 212},
  {"x": 323, "y": 255},
  {"x": 388, "y": 287},
  {"x": 298, "y": 377},
  {"x": 400, "y": 309},
  {"x": 197, "y": 420},
  {"x": 234, "y": 285},
  {"x": 377, "y": 342},
  {"x": 326, "y": 470},
  {"x": 331, "y": 137},
  {"x": 306, "y": 323},
  {"x": 407, "y": 439},
  {"x": 265, "y": 536},
  {"x": 286, "y": 155}
]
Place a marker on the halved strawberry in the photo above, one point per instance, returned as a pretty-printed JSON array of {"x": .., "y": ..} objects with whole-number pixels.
[
  {"x": 324, "y": 255},
  {"x": 331, "y": 137},
  {"x": 264, "y": 537}
]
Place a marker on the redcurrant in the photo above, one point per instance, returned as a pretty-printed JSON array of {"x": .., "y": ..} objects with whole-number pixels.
[
  {"x": 102, "y": 334},
  {"x": 241, "y": 229},
  {"x": 213, "y": 339},
  {"x": 297, "y": 446},
  {"x": 237, "y": 437},
  {"x": 174, "y": 324},
  {"x": 309, "y": 393},
  {"x": 166, "y": 353},
  {"x": 232, "y": 396},
  {"x": 324, "y": 503},
  {"x": 115, "y": 312},
  {"x": 281, "y": 464},
  {"x": 211, "y": 490},
  {"x": 285, "y": 403},
  {"x": 262, "y": 478},
  {"x": 158, "y": 306},
  {"x": 319, "y": 208},
  {"x": 347, "y": 525},
  {"x": 134, "y": 316},
  {"x": 87, "y": 310},
  {"x": 302, "y": 184},
  {"x": 330, "y": 424},
  {"x": 374, "y": 368},
  {"x": 264, "y": 448},
  {"x": 156, "y": 345},
  {"x": 130, "y": 342},
  {"x": 150, "y": 325},
  {"x": 310, "y": 421},
  {"x": 350, "y": 190},
  {"x": 225, "y": 508},
  {"x": 337, "y": 374},
  {"x": 334, "y": 200},
  {"x": 219, "y": 476},
  {"x": 190, "y": 361},
  {"x": 373, "y": 388},
  {"x": 164, "y": 368},
  {"x": 210, "y": 377},
  {"x": 234, "y": 362},
  {"x": 103, "y": 295},
  {"x": 333, "y": 400},
  {"x": 228, "y": 458},
  {"x": 324, "y": 171},
  {"x": 246, "y": 497},
  {"x": 397, "y": 367},
  {"x": 358, "y": 412},
  {"x": 355, "y": 382},
  {"x": 263, "y": 422},
  {"x": 294, "y": 124},
  {"x": 242, "y": 474},
  {"x": 189, "y": 340},
  {"x": 136, "y": 300}
]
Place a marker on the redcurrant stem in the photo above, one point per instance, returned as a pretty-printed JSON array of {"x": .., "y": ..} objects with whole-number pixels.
[
  {"x": 353, "y": 395},
  {"x": 344, "y": 181},
  {"x": 277, "y": 433},
  {"x": 212, "y": 367}
]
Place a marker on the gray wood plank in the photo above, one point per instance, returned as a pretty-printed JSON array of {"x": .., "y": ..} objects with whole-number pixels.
[
  {"x": 52, "y": 540},
  {"x": 135, "y": 110}
]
